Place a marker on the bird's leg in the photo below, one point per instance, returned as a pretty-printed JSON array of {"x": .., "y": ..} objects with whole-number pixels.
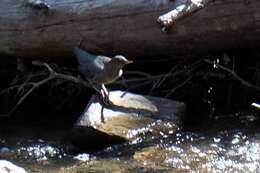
[
  {"x": 105, "y": 95},
  {"x": 105, "y": 90}
]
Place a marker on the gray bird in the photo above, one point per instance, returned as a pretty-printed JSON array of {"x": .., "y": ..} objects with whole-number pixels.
[{"x": 100, "y": 70}]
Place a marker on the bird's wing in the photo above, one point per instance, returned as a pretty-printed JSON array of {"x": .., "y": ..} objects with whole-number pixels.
[
  {"x": 90, "y": 63},
  {"x": 83, "y": 56}
]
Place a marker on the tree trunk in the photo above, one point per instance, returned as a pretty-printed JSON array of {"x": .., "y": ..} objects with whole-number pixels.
[{"x": 51, "y": 28}]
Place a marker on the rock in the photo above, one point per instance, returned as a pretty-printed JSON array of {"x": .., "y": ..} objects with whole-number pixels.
[
  {"x": 5, "y": 152},
  {"x": 130, "y": 112},
  {"x": 150, "y": 155},
  {"x": 8, "y": 167}
]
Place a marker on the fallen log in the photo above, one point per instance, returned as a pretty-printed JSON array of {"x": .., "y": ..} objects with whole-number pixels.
[{"x": 49, "y": 28}]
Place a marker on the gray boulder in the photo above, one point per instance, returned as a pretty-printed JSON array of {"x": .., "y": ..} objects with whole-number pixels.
[{"x": 130, "y": 114}]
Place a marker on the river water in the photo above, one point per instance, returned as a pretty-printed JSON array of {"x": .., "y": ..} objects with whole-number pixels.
[{"x": 216, "y": 146}]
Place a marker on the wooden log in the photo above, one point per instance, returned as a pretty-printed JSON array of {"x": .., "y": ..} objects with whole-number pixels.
[{"x": 51, "y": 28}]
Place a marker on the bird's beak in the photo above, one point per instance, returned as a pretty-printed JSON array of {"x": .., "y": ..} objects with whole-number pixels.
[{"x": 129, "y": 62}]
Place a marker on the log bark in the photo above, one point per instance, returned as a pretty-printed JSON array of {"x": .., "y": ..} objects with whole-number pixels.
[{"x": 51, "y": 28}]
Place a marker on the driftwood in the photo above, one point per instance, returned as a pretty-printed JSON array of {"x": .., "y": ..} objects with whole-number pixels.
[{"x": 51, "y": 28}]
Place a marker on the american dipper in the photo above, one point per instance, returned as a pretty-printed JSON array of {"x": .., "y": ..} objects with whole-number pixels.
[{"x": 100, "y": 70}]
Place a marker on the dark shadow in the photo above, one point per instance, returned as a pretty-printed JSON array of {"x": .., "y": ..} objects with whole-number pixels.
[
  {"x": 88, "y": 139},
  {"x": 124, "y": 109}
]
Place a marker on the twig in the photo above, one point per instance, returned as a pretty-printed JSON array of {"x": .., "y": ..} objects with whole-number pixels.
[
  {"x": 178, "y": 86},
  {"x": 35, "y": 85},
  {"x": 140, "y": 73},
  {"x": 160, "y": 81},
  {"x": 138, "y": 85},
  {"x": 49, "y": 68},
  {"x": 159, "y": 60},
  {"x": 189, "y": 68},
  {"x": 137, "y": 73},
  {"x": 234, "y": 74},
  {"x": 171, "y": 74},
  {"x": 140, "y": 79},
  {"x": 10, "y": 88}
]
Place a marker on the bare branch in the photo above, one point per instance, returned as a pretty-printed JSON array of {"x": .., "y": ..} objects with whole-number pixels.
[
  {"x": 35, "y": 85},
  {"x": 178, "y": 86},
  {"x": 234, "y": 74},
  {"x": 160, "y": 81},
  {"x": 162, "y": 77},
  {"x": 137, "y": 73},
  {"x": 49, "y": 68}
]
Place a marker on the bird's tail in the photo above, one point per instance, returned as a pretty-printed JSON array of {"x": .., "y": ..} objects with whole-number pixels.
[{"x": 82, "y": 56}]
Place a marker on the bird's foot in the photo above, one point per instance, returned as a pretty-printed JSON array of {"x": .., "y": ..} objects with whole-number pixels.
[
  {"x": 105, "y": 97},
  {"x": 107, "y": 101}
]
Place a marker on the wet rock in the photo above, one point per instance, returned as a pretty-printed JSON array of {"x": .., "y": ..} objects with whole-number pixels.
[
  {"x": 8, "y": 167},
  {"x": 101, "y": 124},
  {"x": 151, "y": 155},
  {"x": 5, "y": 152}
]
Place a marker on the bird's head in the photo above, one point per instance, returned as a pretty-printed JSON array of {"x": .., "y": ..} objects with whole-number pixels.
[{"x": 120, "y": 60}]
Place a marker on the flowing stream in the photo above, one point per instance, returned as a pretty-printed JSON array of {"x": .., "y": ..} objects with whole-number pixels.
[{"x": 214, "y": 147}]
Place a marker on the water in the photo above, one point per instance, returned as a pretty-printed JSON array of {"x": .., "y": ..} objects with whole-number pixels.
[{"x": 217, "y": 146}]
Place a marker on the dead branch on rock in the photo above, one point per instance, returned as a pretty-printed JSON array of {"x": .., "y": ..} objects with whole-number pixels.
[{"x": 234, "y": 74}]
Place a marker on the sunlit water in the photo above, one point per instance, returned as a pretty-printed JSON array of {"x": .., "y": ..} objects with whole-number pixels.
[{"x": 236, "y": 150}]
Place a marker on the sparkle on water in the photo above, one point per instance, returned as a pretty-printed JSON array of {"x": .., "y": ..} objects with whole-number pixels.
[{"x": 165, "y": 150}]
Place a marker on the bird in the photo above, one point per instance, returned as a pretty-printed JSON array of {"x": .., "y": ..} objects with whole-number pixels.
[{"x": 100, "y": 70}]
